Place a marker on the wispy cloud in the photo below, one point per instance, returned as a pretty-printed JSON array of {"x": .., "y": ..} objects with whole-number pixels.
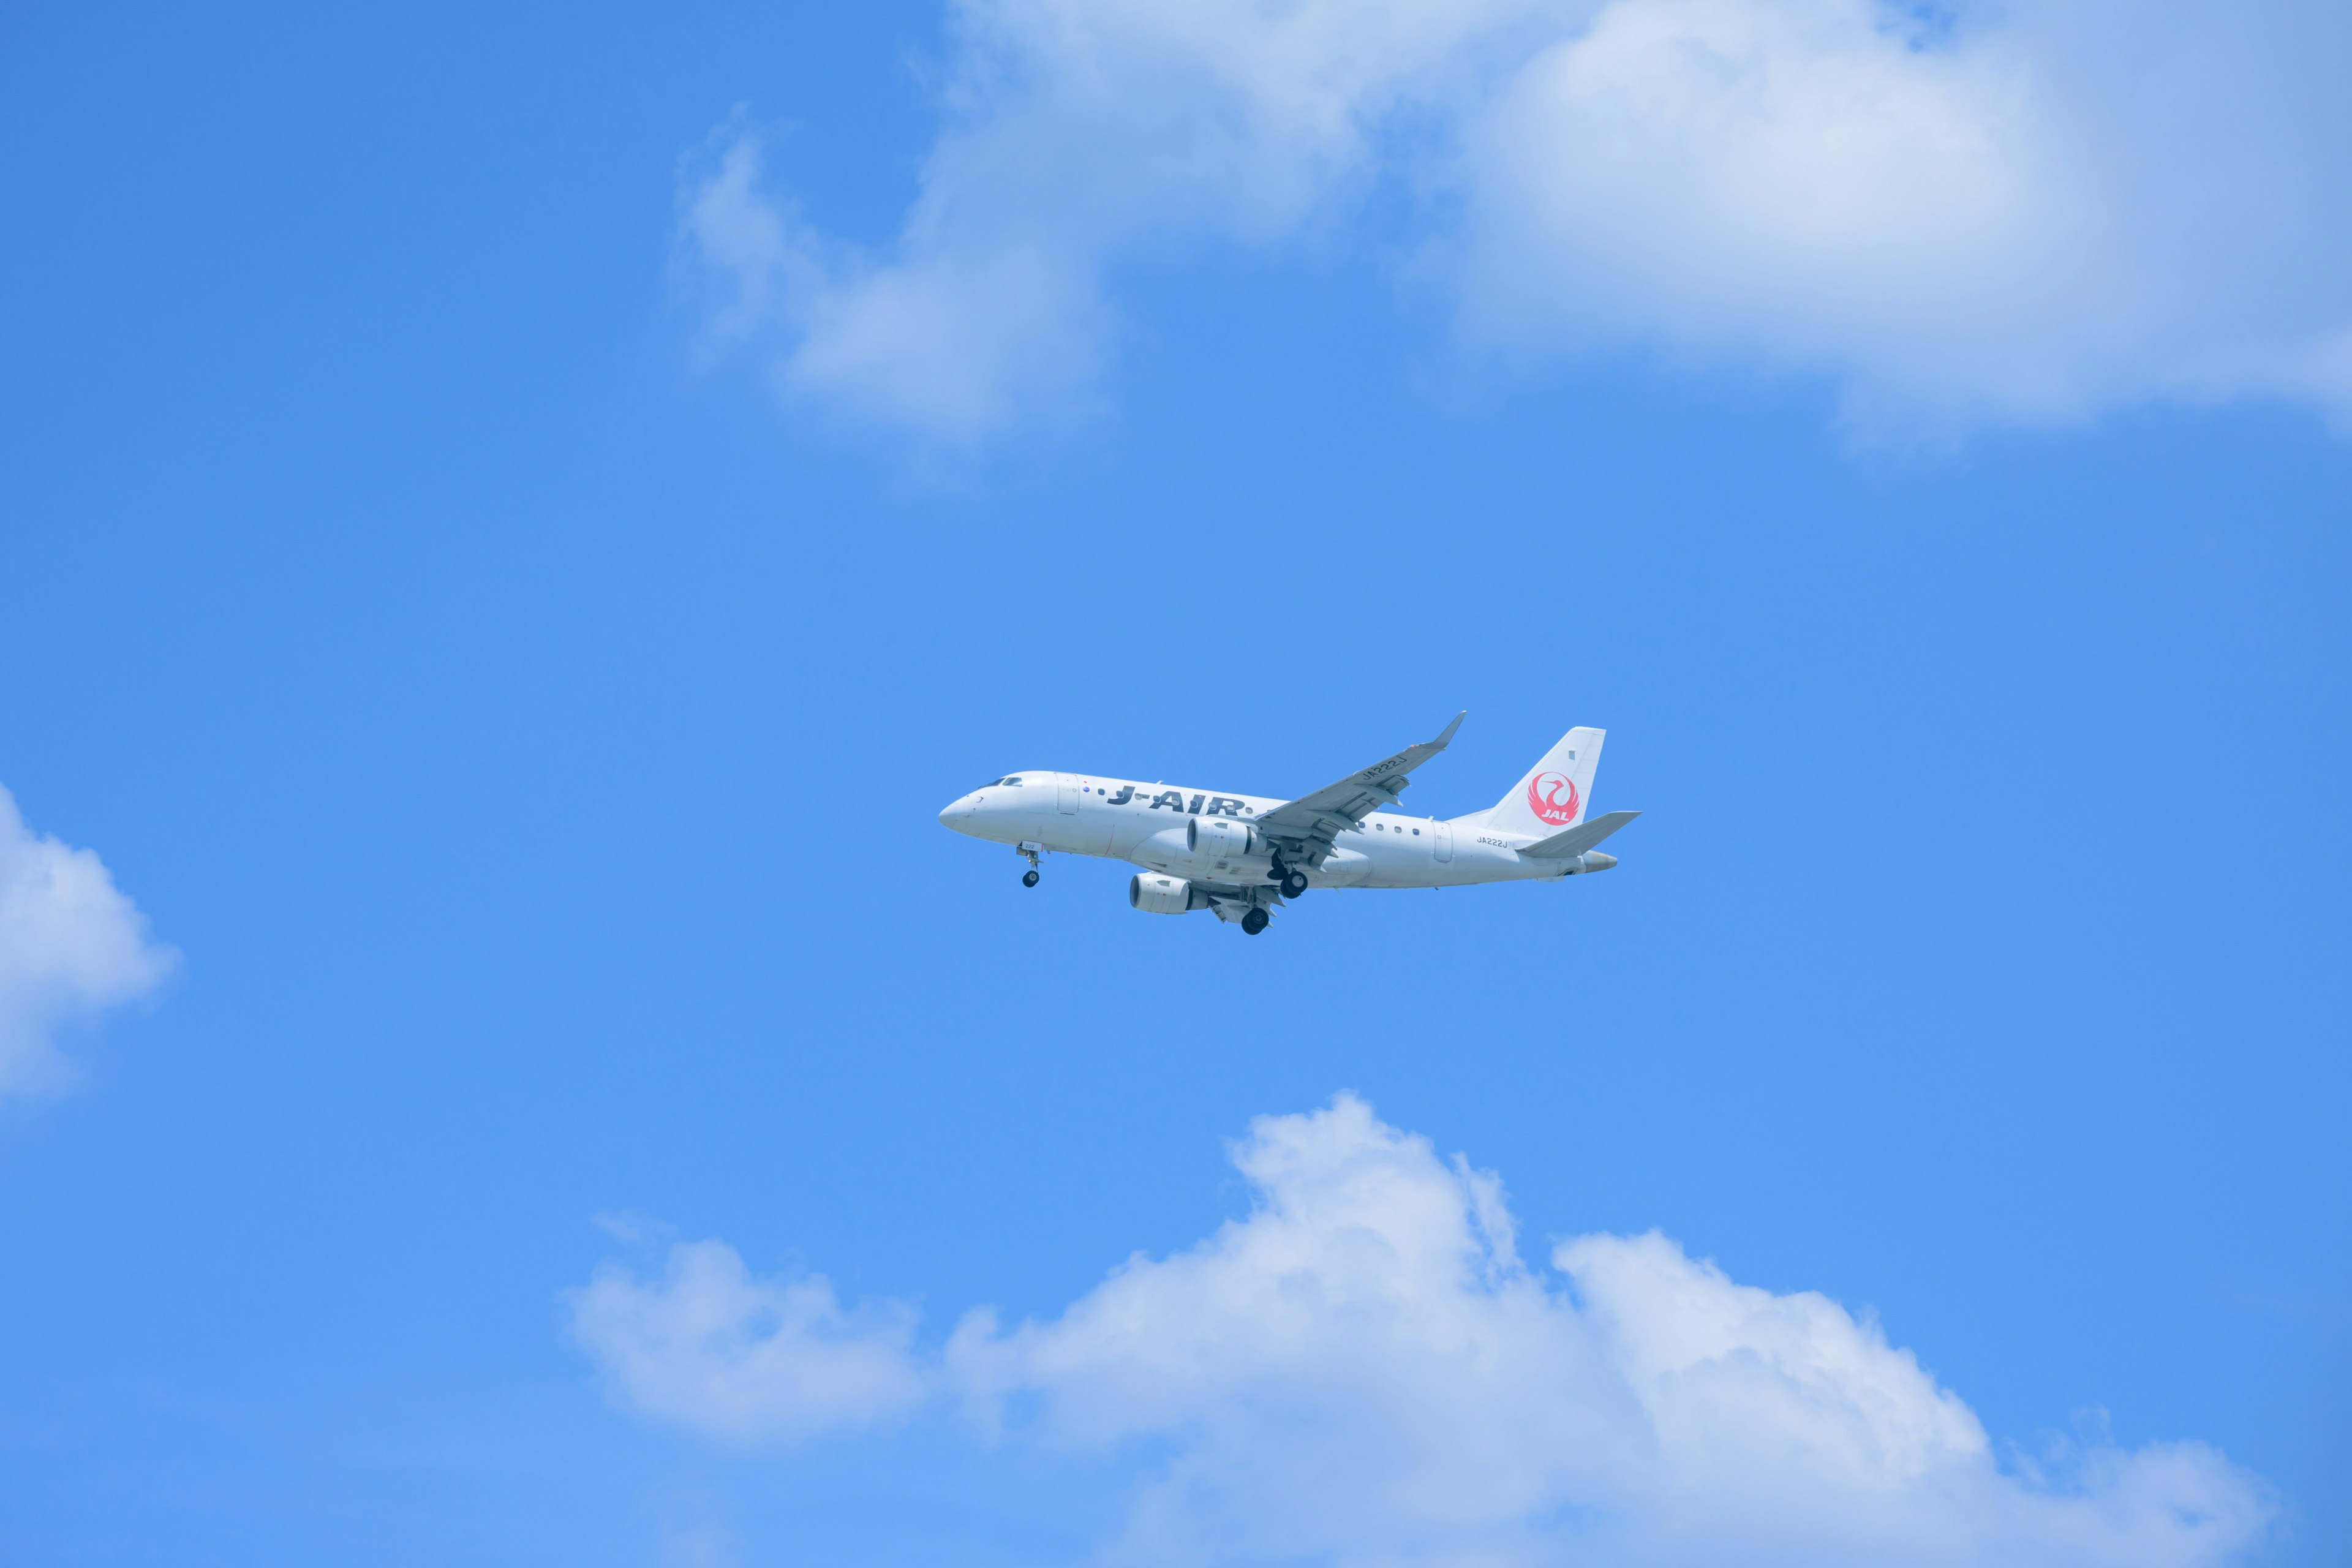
[
  {"x": 2028, "y": 212},
  {"x": 71, "y": 946},
  {"x": 959, "y": 343},
  {"x": 1363, "y": 1370},
  {"x": 711, "y": 1347}
]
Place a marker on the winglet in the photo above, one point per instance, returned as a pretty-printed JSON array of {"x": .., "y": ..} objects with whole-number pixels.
[{"x": 1440, "y": 742}]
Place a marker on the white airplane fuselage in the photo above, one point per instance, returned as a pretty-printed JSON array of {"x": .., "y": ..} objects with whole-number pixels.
[
  {"x": 1146, "y": 824},
  {"x": 1243, "y": 855}
]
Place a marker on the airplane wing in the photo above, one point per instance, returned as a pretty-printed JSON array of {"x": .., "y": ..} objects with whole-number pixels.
[
  {"x": 1304, "y": 829},
  {"x": 1577, "y": 839}
]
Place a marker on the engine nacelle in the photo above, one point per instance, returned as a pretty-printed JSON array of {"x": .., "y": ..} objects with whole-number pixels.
[
  {"x": 1155, "y": 894},
  {"x": 1221, "y": 837}
]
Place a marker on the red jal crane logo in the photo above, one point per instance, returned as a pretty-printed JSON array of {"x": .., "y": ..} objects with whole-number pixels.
[{"x": 1552, "y": 796}]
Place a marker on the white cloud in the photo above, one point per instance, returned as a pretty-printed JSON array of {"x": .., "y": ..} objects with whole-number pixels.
[
  {"x": 955, "y": 341},
  {"x": 1364, "y": 1370},
  {"x": 71, "y": 946},
  {"x": 2027, "y": 212},
  {"x": 711, "y": 1347}
]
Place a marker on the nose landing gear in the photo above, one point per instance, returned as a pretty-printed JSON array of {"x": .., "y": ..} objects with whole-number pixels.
[
  {"x": 1028, "y": 852},
  {"x": 1028, "y": 879}
]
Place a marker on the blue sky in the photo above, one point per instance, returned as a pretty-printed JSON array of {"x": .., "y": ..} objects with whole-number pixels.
[{"x": 493, "y": 608}]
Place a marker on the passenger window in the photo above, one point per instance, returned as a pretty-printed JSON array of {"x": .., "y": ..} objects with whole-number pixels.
[{"x": 1416, "y": 833}]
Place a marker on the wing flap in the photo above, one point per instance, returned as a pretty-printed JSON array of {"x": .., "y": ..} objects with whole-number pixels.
[{"x": 1310, "y": 825}]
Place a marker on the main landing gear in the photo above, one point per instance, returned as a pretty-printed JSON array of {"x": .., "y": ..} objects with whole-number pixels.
[
  {"x": 1293, "y": 883},
  {"x": 1029, "y": 853},
  {"x": 1253, "y": 922}
]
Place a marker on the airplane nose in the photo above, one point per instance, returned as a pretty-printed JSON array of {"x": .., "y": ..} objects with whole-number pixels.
[{"x": 956, "y": 813}]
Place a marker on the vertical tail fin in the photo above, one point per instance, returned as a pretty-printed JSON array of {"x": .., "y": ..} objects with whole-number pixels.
[{"x": 1555, "y": 791}]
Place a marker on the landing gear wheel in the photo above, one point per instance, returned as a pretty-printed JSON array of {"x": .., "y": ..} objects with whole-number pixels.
[
  {"x": 1028, "y": 879},
  {"x": 1293, "y": 884},
  {"x": 1253, "y": 922}
]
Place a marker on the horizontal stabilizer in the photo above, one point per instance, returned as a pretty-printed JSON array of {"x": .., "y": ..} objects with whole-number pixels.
[{"x": 1577, "y": 839}]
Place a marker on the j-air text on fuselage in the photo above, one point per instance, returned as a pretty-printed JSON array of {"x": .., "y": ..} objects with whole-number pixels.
[{"x": 1242, "y": 855}]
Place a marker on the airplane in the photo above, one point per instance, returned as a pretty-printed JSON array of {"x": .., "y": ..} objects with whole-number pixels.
[{"x": 1243, "y": 855}]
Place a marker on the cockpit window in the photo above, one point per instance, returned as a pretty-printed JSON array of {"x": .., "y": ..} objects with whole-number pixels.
[
  {"x": 1014, "y": 781},
  {"x": 990, "y": 785}
]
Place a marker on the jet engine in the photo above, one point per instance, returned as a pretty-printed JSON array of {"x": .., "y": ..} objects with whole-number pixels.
[
  {"x": 1220, "y": 837},
  {"x": 1157, "y": 895}
]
